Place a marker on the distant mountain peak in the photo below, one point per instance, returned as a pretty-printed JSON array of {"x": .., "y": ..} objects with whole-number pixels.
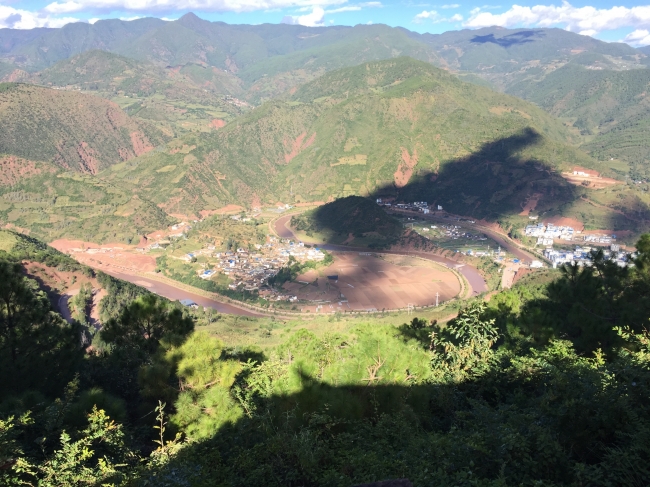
[{"x": 190, "y": 19}]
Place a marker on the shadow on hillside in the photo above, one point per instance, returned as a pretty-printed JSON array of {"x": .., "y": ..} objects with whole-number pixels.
[
  {"x": 518, "y": 38},
  {"x": 487, "y": 428},
  {"x": 491, "y": 183}
]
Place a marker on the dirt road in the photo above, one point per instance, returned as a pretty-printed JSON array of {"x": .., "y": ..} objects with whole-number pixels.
[{"x": 470, "y": 273}]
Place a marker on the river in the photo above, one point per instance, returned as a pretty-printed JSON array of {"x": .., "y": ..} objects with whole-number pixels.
[{"x": 170, "y": 292}]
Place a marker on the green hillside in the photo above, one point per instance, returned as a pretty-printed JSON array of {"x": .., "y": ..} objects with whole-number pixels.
[
  {"x": 610, "y": 107},
  {"x": 373, "y": 128},
  {"x": 507, "y": 56},
  {"x": 71, "y": 130},
  {"x": 178, "y": 99},
  {"x": 275, "y": 75}
]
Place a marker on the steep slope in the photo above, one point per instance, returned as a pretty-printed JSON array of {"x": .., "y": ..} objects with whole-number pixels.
[
  {"x": 269, "y": 58},
  {"x": 507, "y": 56},
  {"x": 68, "y": 129},
  {"x": 352, "y": 214},
  {"x": 610, "y": 107},
  {"x": 374, "y": 128},
  {"x": 177, "y": 99}
]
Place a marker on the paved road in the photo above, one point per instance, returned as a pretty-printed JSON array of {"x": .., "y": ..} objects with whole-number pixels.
[
  {"x": 470, "y": 273},
  {"x": 170, "y": 292}
]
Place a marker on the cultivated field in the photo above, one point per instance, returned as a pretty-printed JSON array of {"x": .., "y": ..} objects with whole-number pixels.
[{"x": 370, "y": 282}]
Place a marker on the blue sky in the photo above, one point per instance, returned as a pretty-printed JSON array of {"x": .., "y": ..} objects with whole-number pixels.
[{"x": 629, "y": 21}]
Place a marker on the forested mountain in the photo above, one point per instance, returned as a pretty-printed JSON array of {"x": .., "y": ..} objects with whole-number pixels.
[
  {"x": 375, "y": 128},
  {"x": 71, "y": 130},
  {"x": 271, "y": 59},
  {"x": 506, "y": 56},
  {"x": 610, "y": 107}
]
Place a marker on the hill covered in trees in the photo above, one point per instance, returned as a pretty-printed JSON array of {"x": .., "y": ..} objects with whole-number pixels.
[
  {"x": 609, "y": 107},
  {"x": 70, "y": 130},
  {"x": 528, "y": 388},
  {"x": 372, "y": 128},
  {"x": 352, "y": 215}
]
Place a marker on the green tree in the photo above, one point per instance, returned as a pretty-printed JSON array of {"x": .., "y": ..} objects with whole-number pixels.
[
  {"x": 144, "y": 322},
  {"x": 38, "y": 349}
]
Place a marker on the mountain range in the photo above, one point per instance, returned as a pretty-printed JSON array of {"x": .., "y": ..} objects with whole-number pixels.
[{"x": 252, "y": 115}]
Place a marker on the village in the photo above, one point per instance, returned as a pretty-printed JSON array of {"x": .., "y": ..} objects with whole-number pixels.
[
  {"x": 249, "y": 269},
  {"x": 582, "y": 256}
]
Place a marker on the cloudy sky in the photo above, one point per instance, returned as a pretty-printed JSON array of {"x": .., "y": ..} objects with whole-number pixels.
[{"x": 629, "y": 21}]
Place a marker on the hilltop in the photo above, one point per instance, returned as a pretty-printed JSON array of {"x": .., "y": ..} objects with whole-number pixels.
[
  {"x": 350, "y": 216},
  {"x": 70, "y": 130}
]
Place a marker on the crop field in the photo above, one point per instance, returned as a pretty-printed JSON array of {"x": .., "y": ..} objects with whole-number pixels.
[{"x": 371, "y": 282}]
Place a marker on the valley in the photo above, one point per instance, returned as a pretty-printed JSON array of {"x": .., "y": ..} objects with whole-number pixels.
[{"x": 328, "y": 255}]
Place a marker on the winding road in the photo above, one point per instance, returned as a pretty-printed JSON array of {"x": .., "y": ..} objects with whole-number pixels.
[{"x": 470, "y": 273}]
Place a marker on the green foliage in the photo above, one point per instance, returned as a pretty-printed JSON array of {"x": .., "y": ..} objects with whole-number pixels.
[
  {"x": 81, "y": 302},
  {"x": 74, "y": 131},
  {"x": 32, "y": 337},
  {"x": 119, "y": 294},
  {"x": 144, "y": 322},
  {"x": 482, "y": 399},
  {"x": 601, "y": 102}
]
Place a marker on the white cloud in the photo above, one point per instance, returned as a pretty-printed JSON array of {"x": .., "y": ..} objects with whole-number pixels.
[
  {"x": 13, "y": 18},
  {"x": 586, "y": 20},
  {"x": 313, "y": 19},
  {"x": 435, "y": 17},
  {"x": 425, "y": 15},
  {"x": 453, "y": 5},
  {"x": 150, "y": 6},
  {"x": 640, "y": 37},
  {"x": 350, "y": 8}
]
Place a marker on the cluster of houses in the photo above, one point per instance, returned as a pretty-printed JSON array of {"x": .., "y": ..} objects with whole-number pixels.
[
  {"x": 421, "y": 206},
  {"x": 603, "y": 239},
  {"x": 250, "y": 270},
  {"x": 546, "y": 233},
  {"x": 582, "y": 256}
]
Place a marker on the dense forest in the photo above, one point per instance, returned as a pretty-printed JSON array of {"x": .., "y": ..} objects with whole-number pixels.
[{"x": 548, "y": 383}]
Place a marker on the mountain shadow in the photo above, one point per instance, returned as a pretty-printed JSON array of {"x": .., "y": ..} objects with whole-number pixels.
[
  {"x": 492, "y": 183},
  {"x": 518, "y": 38}
]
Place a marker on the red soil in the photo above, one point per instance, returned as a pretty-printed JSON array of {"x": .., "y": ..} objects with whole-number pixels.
[
  {"x": 564, "y": 221},
  {"x": 405, "y": 169},
  {"x": 141, "y": 144},
  {"x": 106, "y": 256},
  {"x": 88, "y": 156},
  {"x": 217, "y": 123},
  {"x": 14, "y": 169},
  {"x": 297, "y": 146}
]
